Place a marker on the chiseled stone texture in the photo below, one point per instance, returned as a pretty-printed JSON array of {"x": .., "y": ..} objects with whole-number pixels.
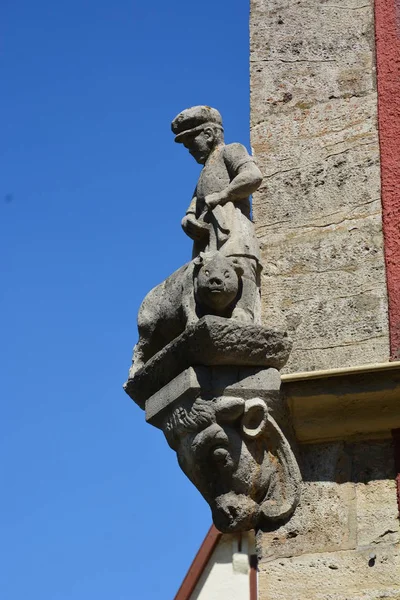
[
  {"x": 343, "y": 541},
  {"x": 210, "y": 341},
  {"x": 374, "y": 477},
  {"x": 325, "y": 519},
  {"x": 318, "y": 211},
  {"x": 349, "y": 575}
]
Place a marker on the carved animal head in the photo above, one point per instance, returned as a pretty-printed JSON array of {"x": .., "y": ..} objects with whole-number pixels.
[
  {"x": 217, "y": 281},
  {"x": 238, "y": 458}
]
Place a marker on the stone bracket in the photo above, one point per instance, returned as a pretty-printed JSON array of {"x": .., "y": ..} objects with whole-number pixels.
[
  {"x": 229, "y": 428},
  {"x": 210, "y": 341},
  {"x": 244, "y": 382}
]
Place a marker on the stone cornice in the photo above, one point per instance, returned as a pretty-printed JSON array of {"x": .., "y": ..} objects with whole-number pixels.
[{"x": 352, "y": 402}]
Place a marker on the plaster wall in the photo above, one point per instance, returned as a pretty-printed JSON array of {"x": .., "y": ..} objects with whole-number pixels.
[
  {"x": 227, "y": 573},
  {"x": 343, "y": 541},
  {"x": 318, "y": 212},
  {"x": 388, "y": 64}
]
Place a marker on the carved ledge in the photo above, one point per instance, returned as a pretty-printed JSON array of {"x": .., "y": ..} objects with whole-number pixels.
[
  {"x": 211, "y": 341},
  {"x": 210, "y": 382},
  {"x": 356, "y": 402}
]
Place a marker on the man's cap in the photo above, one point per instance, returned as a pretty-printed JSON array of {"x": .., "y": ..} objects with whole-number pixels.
[{"x": 194, "y": 119}]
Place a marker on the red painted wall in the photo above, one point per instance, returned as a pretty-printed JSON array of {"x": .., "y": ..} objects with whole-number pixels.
[{"x": 387, "y": 31}]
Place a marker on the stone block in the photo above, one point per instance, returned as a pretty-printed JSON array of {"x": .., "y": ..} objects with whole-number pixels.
[
  {"x": 211, "y": 341},
  {"x": 311, "y": 32},
  {"x": 348, "y": 575},
  {"x": 374, "y": 476},
  {"x": 323, "y": 261},
  {"x": 348, "y": 501},
  {"x": 284, "y": 87},
  {"x": 363, "y": 403},
  {"x": 325, "y": 519},
  {"x": 210, "y": 382},
  {"x": 318, "y": 214},
  {"x": 307, "y": 137}
]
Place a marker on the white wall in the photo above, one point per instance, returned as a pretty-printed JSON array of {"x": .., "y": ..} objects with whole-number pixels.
[{"x": 226, "y": 576}]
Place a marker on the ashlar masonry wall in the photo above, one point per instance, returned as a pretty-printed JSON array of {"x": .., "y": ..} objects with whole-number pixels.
[
  {"x": 343, "y": 541},
  {"x": 318, "y": 212}
]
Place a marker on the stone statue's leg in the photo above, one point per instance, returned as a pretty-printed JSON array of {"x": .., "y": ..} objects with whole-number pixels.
[
  {"x": 188, "y": 299},
  {"x": 248, "y": 307}
]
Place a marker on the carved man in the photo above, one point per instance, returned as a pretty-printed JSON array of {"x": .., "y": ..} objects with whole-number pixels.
[{"x": 218, "y": 218}]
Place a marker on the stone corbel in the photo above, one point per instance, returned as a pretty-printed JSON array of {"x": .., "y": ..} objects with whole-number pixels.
[{"x": 229, "y": 428}]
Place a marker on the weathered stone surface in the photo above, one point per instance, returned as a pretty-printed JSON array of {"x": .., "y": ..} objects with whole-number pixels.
[
  {"x": 218, "y": 217},
  {"x": 348, "y": 575},
  {"x": 321, "y": 192},
  {"x": 209, "y": 382},
  {"x": 335, "y": 306},
  {"x": 223, "y": 279},
  {"x": 325, "y": 519},
  {"x": 360, "y": 403},
  {"x": 312, "y": 135},
  {"x": 199, "y": 330},
  {"x": 209, "y": 284},
  {"x": 318, "y": 214},
  {"x": 230, "y": 428},
  {"x": 374, "y": 476},
  {"x": 347, "y": 516},
  {"x": 339, "y": 33},
  {"x": 223, "y": 424},
  {"x": 210, "y": 341}
]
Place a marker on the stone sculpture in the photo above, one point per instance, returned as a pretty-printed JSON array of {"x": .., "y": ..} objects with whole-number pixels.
[
  {"x": 218, "y": 217},
  {"x": 235, "y": 453},
  {"x": 204, "y": 368},
  {"x": 209, "y": 284}
]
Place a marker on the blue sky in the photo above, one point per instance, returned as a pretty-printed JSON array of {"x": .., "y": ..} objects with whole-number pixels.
[{"x": 92, "y": 191}]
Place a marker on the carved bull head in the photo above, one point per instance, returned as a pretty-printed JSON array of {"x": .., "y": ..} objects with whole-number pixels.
[{"x": 238, "y": 458}]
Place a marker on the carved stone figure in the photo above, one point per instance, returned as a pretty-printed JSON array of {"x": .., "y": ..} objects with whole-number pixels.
[
  {"x": 238, "y": 458},
  {"x": 223, "y": 425},
  {"x": 218, "y": 217},
  {"x": 209, "y": 284},
  {"x": 204, "y": 369}
]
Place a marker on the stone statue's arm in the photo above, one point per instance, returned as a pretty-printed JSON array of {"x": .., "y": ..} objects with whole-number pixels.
[
  {"x": 245, "y": 176},
  {"x": 192, "y": 206},
  {"x": 242, "y": 186},
  {"x": 194, "y": 228}
]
